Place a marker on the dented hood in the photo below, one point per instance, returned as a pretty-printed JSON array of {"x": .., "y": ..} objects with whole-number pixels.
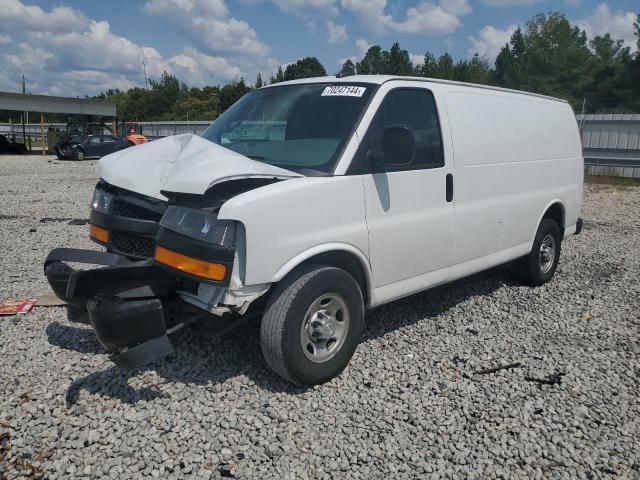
[{"x": 181, "y": 163}]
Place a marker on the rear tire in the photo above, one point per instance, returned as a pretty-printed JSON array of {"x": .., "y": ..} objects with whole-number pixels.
[
  {"x": 539, "y": 266},
  {"x": 312, "y": 324}
]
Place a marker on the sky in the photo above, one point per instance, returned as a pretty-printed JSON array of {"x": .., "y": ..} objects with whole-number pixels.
[{"x": 84, "y": 47}]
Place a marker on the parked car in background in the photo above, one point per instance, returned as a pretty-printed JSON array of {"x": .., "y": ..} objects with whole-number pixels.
[
  {"x": 76, "y": 134},
  {"x": 87, "y": 146},
  {"x": 9, "y": 146}
]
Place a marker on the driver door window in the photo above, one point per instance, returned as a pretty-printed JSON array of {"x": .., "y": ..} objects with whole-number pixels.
[{"x": 414, "y": 109}]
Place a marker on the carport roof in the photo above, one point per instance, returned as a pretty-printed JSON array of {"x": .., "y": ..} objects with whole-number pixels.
[{"x": 44, "y": 103}]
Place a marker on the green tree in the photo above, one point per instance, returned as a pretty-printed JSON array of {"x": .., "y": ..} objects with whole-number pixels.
[
  {"x": 278, "y": 77},
  {"x": 397, "y": 61},
  {"x": 377, "y": 61},
  {"x": 609, "y": 89},
  {"x": 475, "y": 70},
  {"x": 232, "y": 92},
  {"x": 138, "y": 105},
  {"x": 348, "y": 68},
  {"x": 551, "y": 57},
  {"x": 195, "y": 106},
  {"x": 445, "y": 67},
  {"x": 511, "y": 62},
  {"x": 429, "y": 67},
  {"x": 372, "y": 63},
  {"x": 632, "y": 73},
  {"x": 305, "y": 68},
  {"x": 163, "y": 94},
  {"x": 636, "y": 26},
  {"x": 259, "y": 82}
]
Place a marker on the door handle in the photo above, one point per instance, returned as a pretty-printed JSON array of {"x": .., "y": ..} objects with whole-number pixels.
[{"x": 449, "y": 183}]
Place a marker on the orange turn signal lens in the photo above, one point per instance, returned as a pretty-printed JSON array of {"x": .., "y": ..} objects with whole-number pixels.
[
  {"x": 98, "y": 233},
  {"x": 193, "y": 266}
]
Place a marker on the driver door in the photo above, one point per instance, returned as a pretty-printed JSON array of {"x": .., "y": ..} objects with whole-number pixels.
[{"x": 409, "y": 211}]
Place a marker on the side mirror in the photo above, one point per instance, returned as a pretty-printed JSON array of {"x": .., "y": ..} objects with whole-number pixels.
[{"x": 398, "y": 146}]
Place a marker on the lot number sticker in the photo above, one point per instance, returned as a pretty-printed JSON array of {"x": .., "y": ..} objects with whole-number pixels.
[{"x": 344, "y": 91}]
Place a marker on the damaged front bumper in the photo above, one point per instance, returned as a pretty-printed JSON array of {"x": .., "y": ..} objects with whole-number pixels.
[{"x": 129, "y": 303}]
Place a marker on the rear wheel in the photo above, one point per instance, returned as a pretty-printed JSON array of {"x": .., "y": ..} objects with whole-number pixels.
[
  {"x": 539, "y": 266},
  {"x": 312, "y": 324}
]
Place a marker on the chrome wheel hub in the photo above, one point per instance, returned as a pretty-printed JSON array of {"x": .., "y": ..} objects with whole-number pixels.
[
  {"x": 547, "y": 253},
  {"x": 325, "y": 328}
]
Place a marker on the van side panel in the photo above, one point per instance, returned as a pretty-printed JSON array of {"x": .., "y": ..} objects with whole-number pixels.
[{"x": 514, "y": 156}]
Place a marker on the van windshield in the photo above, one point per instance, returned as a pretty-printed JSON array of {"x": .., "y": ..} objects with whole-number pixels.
[{"x": 303, "y": 128}]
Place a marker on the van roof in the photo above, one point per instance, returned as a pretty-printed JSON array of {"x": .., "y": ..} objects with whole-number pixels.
[{"x": 380, "y": 79}]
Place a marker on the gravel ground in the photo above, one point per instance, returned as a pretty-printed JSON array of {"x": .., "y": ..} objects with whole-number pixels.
[{"x": 409, "y": 405}]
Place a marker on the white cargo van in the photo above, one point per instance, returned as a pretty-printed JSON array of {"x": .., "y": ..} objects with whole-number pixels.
[{"x": 309, "y": 202}]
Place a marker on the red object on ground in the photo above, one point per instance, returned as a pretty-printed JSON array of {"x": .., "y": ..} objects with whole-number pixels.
[{"x": 17, "y": 307}]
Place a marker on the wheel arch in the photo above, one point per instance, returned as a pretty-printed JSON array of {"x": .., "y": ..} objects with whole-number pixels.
[
  {"x": 555, "y": 210},
  {"x": 344, "y": 256}
]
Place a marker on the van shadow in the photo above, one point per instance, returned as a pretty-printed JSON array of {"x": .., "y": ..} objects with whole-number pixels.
[
  {"x": 200, "y": 359},
  {"x": 425, "y": 306},
  {"x": 81, "y": 340},
  {"x": 381, "y": 181}
]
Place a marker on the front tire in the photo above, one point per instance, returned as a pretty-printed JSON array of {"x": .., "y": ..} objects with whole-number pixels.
[
  {"x": 539, "y": 266},
  {"x": 312, "y": 324},
  {"x": 80, "y": 154}
]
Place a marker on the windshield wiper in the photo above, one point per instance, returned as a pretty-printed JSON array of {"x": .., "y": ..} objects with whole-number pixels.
[{"x": 255, "y": 157}]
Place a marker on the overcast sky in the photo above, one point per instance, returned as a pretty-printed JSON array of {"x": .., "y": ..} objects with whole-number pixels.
[{"x": 76, "y": 48}]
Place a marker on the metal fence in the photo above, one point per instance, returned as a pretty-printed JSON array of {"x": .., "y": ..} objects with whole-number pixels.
[
  {"x": 611, "y": 142},
  {"x": 152, "y": 130}
]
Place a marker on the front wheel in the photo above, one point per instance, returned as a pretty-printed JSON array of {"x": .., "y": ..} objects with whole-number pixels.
[
  {"x": 80, "y": 154},
  {"x": 312, "y": 324},
  {"x": 538, "y": 267}
]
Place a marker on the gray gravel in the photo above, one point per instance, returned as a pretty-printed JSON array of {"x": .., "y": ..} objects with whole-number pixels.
[{"x": 409, "y": 405}]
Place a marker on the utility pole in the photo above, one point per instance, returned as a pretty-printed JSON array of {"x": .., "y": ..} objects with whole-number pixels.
[
  {"x": 584, "y": 104},
  {"x": 24, "y": 133},
  {"x": 144, "y": 66}
]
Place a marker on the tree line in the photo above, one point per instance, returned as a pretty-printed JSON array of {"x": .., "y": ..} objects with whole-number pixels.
[{"x": 548, "y": 55}]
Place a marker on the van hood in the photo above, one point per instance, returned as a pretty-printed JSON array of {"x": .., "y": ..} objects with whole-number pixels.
[{"x": 181, "y": 163}]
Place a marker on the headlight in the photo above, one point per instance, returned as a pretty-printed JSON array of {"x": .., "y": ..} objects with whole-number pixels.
[
  {"x": 101, "y": 201},
  {"x": 200, "y": 225}
]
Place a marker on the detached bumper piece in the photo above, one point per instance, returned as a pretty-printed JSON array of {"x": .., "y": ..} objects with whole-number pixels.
[
  {"x": 135, "y": 329},
  {"x": 127, "y": 303}
]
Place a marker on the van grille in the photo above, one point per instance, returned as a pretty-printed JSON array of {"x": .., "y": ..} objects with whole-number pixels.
[
  {"x": 135, "y": 207},
  {"x": 133, "y": 244},
  {"x": 122, "y": 208}
]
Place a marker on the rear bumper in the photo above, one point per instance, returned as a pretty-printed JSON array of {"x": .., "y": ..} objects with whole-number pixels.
[{"x": 127, "y": 303}]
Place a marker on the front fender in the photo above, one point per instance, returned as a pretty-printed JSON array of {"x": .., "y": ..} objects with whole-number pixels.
[
  {"x": 288, "y": 222},
  {"x": 302, "y": 257}
]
